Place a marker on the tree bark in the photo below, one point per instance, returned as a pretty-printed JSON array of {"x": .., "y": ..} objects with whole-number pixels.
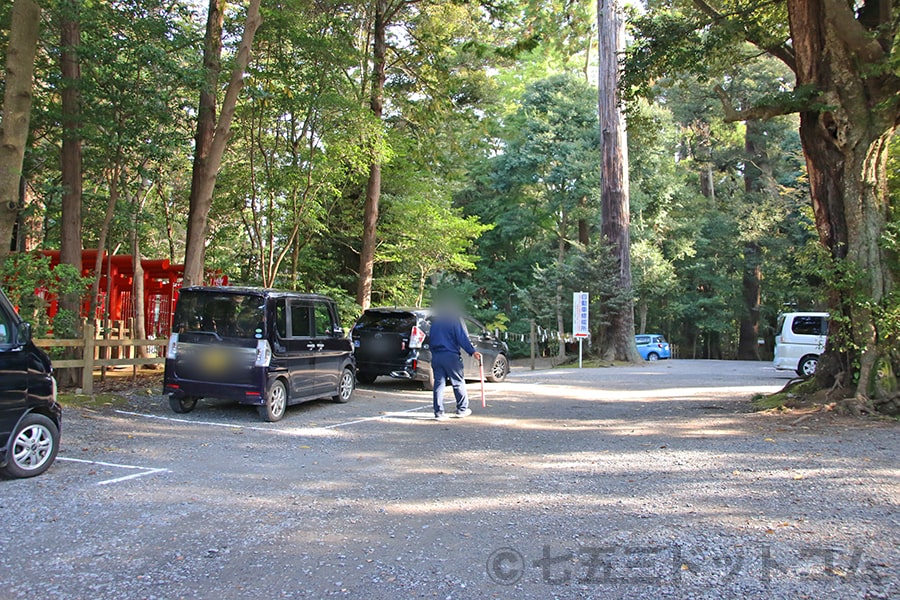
[
  {"x": 845, "y": 138},
  {"x": 373, "y": 185},
  {"x": 757, "y": 180},
  {"x": 20, "y": 52},
  {"x": 205, "y": 168},
  {"x": 560, "y": 266},
  {"x": 137, "y": 287},
  {"x": 618, "y": 338},
  {"x": 104, "y": 232},
  {"x": 70, "y": 66}
]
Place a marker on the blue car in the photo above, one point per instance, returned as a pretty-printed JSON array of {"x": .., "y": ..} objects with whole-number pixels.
[{"x": 652, "y": 346}]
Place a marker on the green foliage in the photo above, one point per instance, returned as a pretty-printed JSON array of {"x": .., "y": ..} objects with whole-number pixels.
[{"x": 30, "y": 283}]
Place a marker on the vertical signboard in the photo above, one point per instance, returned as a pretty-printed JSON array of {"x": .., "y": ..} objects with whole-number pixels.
[
  {"x": 580, "y": 327},
  {"x": 580, "y": 314}
]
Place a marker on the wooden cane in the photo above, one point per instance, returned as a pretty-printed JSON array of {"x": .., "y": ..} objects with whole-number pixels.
[{"x": 481, "y": 368}]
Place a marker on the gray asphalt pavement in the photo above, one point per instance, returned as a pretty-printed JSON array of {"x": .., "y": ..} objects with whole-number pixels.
[{"x": 630, "y": 482}]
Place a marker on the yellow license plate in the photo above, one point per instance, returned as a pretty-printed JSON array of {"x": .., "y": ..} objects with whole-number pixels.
[{"x": 214, "y": 361}]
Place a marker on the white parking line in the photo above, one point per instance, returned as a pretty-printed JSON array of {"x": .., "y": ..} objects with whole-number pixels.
[
  {"x": 301, "y": 431},
  {"x": 384, "y": 416},
  {"x": 144, "y": 470}
]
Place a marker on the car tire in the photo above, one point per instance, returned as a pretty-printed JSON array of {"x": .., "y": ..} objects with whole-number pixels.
[
  {"x": 182, "y": 405},
  {"x": 345, "y": 387},
  {"x": 428, "y": 382},
  {"x": 807, "y": 366},
  {"x": 32, "y": 447},
  {"x": 366, "y": 378},
  {"x": 276, "y": 402},
  {"x": 499, "y": 370},
  {"x": 653, "y": 357}
]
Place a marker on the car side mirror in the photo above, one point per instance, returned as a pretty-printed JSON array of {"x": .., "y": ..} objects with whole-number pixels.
[
  {"x": 23, "y": 334},
  {"x": 338, "y": 331}
]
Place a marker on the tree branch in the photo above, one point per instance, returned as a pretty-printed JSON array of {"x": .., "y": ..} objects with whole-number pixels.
[
  {"x": 762, "y": 112},
  {"x": 851, "y": 31},
  {"x": 782, "y": 52}
]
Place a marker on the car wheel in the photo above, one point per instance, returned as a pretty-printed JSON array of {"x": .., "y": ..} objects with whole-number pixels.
[
  {"x": 182, "y": 405},
  {"x": 276, "y": 402},
  {"x": 653, "y": 356},
  {"x": 499, "y": 369},
  {"x": 33, "y": 446},
  {"x": 366, "y": 378},
  {"x": 345, "y": 388},
  {"x": 807, "y": 366}
]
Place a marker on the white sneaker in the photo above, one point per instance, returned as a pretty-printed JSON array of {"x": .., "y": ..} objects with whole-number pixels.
[
  {"x": 461, "y": 414},
  {"x": 440, "y": 417}
]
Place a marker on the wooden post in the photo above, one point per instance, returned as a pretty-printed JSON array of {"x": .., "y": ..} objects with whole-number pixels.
[
  {"x": 532, "y": 344},
  {"x": 87, "y": 371}
]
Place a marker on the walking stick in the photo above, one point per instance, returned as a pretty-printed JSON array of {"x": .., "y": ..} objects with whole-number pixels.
[{"x": 481, "y": 368}]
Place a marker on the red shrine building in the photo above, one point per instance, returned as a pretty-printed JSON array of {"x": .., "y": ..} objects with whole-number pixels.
[{"x": 162, "y": 280}]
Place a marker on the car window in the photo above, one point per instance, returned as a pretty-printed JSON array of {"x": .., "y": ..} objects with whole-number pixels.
[
  {"x": 386, "y": 321},
  {"x": 641, "y": 340},
  {"x": 659, "y": 340},
  {"x": 227, "y": 315},
  {"x": 5, "y": 328},
  {"x": 324, "y": 322},
  {"x": 473, "y": 328},
  {"x": 281, "y": 318},
  {"x": 299, "y": 319},
  {"x": 804, "y": 325}
]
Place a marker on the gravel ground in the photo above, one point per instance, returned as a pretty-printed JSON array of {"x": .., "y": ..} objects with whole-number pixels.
[{"x": 628, "y": 482}]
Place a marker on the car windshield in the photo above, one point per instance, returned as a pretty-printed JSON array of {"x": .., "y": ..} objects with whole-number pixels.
[{"x": 224, "y": 315}]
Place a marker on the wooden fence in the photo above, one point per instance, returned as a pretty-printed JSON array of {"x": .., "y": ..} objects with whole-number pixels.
[{"x": 92, "y": 358}]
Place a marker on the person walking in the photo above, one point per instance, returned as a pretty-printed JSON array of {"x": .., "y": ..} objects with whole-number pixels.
[{"x": 448, "y": 337}]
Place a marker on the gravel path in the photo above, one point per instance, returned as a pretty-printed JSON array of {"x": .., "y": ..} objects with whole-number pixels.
[{"x": 630, "y": 482}]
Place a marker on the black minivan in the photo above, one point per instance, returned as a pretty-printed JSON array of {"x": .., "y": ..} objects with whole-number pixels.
[
  {"x": 263, "y": 347},
  {"x": 30, "y": 416}
]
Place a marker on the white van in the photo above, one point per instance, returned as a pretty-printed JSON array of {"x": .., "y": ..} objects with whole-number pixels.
[{"x": 799, "y": 340}]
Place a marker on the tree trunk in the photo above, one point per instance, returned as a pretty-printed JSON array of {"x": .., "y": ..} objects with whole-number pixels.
[
  {"x": 845, "y": 140},
  {"x": 643, "y": 309},
  {"x": 200, "y": 201},
  {"x": 70, "y": 66},
  {"x": 618, "y": 339},
  {"x": 101, "y": 238},
  {"x": 20, "y": 51},
  {"x": 373, "y": 186},
  {"x": 67, "y": 322},
  {"x": 757, "y": 180},
  {"x": 560, "y": 266},
  {"x": 137, "y": 288}
]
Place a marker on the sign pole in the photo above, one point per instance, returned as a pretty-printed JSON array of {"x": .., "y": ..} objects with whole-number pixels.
[{"x": 580, "y": 340}]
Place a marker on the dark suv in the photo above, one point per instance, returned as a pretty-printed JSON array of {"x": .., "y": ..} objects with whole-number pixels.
[
  {"x": 29, "y": 413},
  {"x": 262, "y": 347},
  {"x": 394, "y": 342}
]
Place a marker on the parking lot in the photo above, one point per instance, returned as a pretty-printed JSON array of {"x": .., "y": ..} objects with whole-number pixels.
[{"x": 633, "y": 482}]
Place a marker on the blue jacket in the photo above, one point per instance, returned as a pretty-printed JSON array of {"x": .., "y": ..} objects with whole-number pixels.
[{"x": 449, "y": 335}]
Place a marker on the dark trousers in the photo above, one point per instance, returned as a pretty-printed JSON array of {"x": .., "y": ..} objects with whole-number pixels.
[{"x": 447, "y": 365}]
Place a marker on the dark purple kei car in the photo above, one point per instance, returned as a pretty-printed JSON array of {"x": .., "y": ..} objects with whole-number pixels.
[{"x": 262, "y": 347}]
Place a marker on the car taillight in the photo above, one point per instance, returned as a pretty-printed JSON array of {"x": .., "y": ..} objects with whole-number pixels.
[
  {"x": 172, "y": 350},
  {"x": 263, "y": 354},
  {"x": 416, "y": 337}
]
